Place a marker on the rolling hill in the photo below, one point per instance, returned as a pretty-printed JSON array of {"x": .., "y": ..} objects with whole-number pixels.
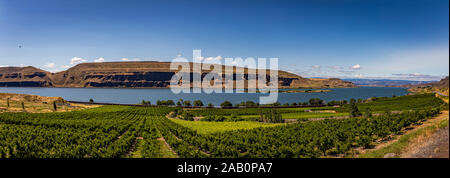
[{"x": 132, "y": 74}]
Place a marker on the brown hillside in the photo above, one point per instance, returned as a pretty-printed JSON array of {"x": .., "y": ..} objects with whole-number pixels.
[
  {"x": 131, "y": 74},
  {"x": 442, "y": 87}
]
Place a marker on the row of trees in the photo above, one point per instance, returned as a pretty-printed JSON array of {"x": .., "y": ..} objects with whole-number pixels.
[{"x": 225, "y": 104}]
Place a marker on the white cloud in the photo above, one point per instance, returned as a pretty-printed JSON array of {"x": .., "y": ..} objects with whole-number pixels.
[
  {"x": 217, "y": 58},
  {"x": 100, "y": 60},
  {"x": 356, "y": 67},
  {"x": 127, "y": 59},
  {"x": 50, "y": 65},
  {"x": 316, "y": 66},
  {"x": 76, "y": 60}
]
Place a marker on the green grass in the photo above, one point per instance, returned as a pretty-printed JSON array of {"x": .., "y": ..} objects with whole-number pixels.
[
  {"x": 404, "y": 140},
  {"x": 213, "y": 127}
]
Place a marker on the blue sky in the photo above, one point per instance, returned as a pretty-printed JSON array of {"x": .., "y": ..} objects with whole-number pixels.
[{"x": 318, "y": 38}]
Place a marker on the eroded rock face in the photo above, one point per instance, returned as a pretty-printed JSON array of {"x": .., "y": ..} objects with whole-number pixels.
[
  {"x": 24, "y": 77},
  {"x": 132, "y": 74}
]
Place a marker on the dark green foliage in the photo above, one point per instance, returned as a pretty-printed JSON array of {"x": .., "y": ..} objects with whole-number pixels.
[
  {"x": 187, "y": 116},
  {"x": 54, "y": 106},
  {"x": 354, "y": 111},
  {"x": 105, "y": 132},
  {"x": 248, "y": 104},
  {"x": 187, "y": 103},
  {"x": 315, "y": 102},
  {"x": 309, "y": 139},
  {"x": 213, "y": 118},
  {"x": 110, "y": 132},
  {"x": 271, "y": 116},
  {"x": 198, "y": 103},
  {"x": 368, "y": 113},
  {"x": 165, "y": 103},
  {"x": 226, "y": 104},
  {"x": 234, "y": 118},
  {"x": 146, "y": 103},
  {"x": 399, "y": 103},
  {"x": 91, "y": 100}
]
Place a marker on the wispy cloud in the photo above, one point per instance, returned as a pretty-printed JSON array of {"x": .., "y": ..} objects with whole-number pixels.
[
  {"x": 127, "y": 59},
  {"x": 100, "y": 60},
  {"x": 76, "y": 60}
]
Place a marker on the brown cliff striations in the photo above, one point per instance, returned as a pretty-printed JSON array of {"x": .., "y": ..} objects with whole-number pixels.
[{"x": 132, "y": 74}]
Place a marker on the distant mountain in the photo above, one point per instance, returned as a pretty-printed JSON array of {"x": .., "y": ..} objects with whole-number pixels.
[
  {"x": 132, "y": 74},
  {"x": 385, "y": 82}
]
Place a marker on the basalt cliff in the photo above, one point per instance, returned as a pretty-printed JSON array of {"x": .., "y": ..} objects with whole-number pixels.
[{"x": 133, "y": 75}]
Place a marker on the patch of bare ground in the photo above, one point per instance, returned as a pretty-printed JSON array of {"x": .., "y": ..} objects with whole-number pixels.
[{"x": 434, "y": 145}]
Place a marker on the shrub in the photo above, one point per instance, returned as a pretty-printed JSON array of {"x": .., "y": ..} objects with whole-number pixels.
[
  {"x": 187, "y": 103},
  {"x": 315, "y": 101},
  {"x": 187, "y": 116},
  {"x": 198, "y": 103},
  {"x": 226, "y": 104}
]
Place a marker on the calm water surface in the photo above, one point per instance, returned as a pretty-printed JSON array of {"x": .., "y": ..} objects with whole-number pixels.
[{"x": 135, "y": 96}]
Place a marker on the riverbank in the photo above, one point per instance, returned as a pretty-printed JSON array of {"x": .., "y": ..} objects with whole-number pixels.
[{"x": 10, "y": 102}]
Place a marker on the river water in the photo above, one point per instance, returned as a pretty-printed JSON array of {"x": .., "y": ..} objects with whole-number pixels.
[{"x": 135, "y": 96}]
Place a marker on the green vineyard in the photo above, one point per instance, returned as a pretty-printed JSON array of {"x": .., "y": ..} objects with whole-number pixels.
[{"x": 145, "y": 132}]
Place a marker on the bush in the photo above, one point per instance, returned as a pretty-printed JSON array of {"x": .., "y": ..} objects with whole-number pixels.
[
  {"x": 146, "y": 103},
  {"x": 187, "y": 116},
  {"x": 315, "y": 101},
  {"x": 226, "y": 104},
  {"x": 271, "y": 116},
  {"x": 354, "y": 111},
  {"x": 213, "y": 118},
  {"x": 187, "y": 103},
  {"x": 235, "y": 118},
  {"x": 198, "y": 103}
]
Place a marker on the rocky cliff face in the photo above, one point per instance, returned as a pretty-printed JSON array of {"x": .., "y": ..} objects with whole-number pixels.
[
  {"x": 131, "y": 74},
  {"x": 24, "y": 77}
]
